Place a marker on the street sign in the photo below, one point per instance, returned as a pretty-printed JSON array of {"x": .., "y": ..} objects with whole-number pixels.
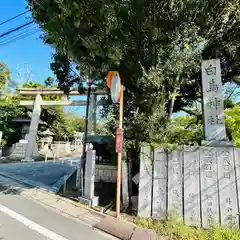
[
  {"x": 114, "y": 83},
  {"x": 119, "y": 140}
]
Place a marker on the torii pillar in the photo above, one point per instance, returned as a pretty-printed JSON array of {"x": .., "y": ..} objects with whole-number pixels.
[{"x": 32, "y": 135}]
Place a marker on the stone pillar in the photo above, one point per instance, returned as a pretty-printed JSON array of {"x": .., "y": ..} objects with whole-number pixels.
[
  {"x": 125, "y": 196},
  {"x": 90, "y": 174},
  {"x": 213, "y": 110},
  {"x": 92, "y": 119},
  {"x": 89, "y": 197},
  {"x": 32, "y": 135}
]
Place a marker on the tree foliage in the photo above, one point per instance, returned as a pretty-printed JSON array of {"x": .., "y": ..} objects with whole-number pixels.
[
  {"x": 61, "y": 124},
  {"x": 9, "y": 109},
  {"x": 156, "y": 46},
  {"x": 4, "y": 74},
  {"x": 232, "y": 117},
  {"x": 61, "y": 67}
]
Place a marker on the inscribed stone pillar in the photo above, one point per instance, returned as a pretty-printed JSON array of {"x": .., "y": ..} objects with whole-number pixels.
[
  {"x": 209, "y": 186},
  {"x": 32, "y": 135},
  {"x": 159, "y": 203},
  {"x": 236, "y": 154},
  {"x": 90, "y": 174},
  {"x": 227, "y": 187},
  {"x": 92, "y": 119},
  {"x": 145, "y": 183},
  {"x": 175, "y": 181},
  {"x": 214, "y": 126},
  {"x": 192, "y": 216}
]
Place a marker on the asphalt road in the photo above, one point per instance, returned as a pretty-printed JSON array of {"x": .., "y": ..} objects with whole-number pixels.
[
  {"x": 41, "y": 174},
  {"x": 24, "y": 219}
]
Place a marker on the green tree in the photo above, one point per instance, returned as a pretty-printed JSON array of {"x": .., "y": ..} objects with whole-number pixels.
[
  {"x": 61, "y": 67},
  {"x": 232, "y": 118},
  {"x": 4, "y": 74},
  {"x": 187, "y": 130},
  {"x": 61, "y": 124},
  {"x": 9, "y": 110},
  {"x": 49, "y": 81},
  {"x": 156, "y": 46}
]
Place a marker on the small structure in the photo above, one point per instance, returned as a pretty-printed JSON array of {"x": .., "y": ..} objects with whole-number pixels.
[
  {"x": 46, "y": 141},
  {"x": 24, "y": 124},
  {"x": 100, "y": 145}
]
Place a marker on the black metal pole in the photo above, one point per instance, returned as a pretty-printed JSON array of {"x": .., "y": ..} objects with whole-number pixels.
[
  {"x": 84, "y": 155},
  {"x": 86, "y": 121}
]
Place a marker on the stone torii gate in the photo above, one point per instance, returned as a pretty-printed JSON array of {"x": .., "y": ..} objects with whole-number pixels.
[{"x": 38, "y": 93}]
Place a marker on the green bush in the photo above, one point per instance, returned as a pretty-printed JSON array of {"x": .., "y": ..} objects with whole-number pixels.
[{"x": 177, "y": 230}]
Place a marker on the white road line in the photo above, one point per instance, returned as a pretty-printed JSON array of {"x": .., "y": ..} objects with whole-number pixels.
[{"x": 32, "y": 225}]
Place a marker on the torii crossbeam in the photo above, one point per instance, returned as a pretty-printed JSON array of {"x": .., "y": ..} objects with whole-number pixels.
[{"x": 65, "y": 101}]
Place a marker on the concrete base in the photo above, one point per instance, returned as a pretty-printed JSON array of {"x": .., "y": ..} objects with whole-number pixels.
[
  {"x": 215, "y": 143},
  {"x": 90, "y": 202},
  {"x": 117, "y": 228}
]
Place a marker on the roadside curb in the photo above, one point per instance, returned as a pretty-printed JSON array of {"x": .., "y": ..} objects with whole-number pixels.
[
  {"x": 125, "y": 230},
  {"x": 64, "y": 206},
  {"x": 118, "y": 228}
]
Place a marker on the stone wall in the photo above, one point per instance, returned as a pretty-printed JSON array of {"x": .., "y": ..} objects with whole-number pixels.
[
  {"x": 199, "y": 185},
  {"x": 106, "y": 173},
  {"x": 19, "y": 149}
]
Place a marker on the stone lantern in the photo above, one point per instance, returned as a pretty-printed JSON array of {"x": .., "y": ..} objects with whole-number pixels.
[{"x": 46, "y": 141}]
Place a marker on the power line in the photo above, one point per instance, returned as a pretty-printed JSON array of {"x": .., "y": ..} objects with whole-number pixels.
[
  {"x": 16, "y": 29},
  {"x": 20, "y": 37},
  {"x": 10, "y": 19},
  {"x": 17, "y": 34}
]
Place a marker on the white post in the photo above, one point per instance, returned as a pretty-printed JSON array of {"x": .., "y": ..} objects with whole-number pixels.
[
  {"x": 46, "y": 157},
  {"x": 32, "y": 135},
  {"x": 90, "y": 174}
]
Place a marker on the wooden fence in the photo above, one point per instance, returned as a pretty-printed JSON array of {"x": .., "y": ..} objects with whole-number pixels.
[{"x": 199, "y": 185}]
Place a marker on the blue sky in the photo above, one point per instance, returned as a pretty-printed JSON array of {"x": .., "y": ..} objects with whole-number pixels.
[
  {"x": 27, "y": 53},
  {"x": 28, "y": 56}
]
